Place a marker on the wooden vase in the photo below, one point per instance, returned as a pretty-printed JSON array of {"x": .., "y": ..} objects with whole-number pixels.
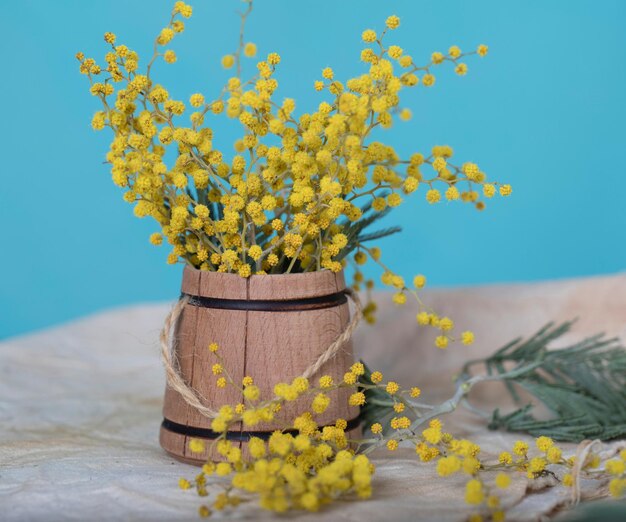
[{"x": 268, "y": 327}]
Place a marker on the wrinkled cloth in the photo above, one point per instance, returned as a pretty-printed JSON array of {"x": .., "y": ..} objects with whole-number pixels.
[{"x": 80, "y": 408}]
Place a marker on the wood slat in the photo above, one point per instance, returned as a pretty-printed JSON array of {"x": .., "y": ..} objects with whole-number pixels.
[
  {"x": 228, "y": 329},
  {"x": 184, "y": 334}
]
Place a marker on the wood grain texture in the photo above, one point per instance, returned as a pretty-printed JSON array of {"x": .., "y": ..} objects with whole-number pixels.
[
  {"x": 270, "y": 347},
  {"x": 174, "y": 406},
  {"x": 292, "y": 286},
  {"x": 191, "y": 281},
  {"x": 282, "y": 345},
  {"x": 222, "y": 286}
]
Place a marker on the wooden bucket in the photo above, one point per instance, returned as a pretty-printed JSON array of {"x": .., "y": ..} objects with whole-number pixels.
[{"x": 268, "y": 327}]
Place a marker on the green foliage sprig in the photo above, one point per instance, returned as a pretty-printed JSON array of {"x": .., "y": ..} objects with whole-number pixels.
[{"x": 583, "y": 385}]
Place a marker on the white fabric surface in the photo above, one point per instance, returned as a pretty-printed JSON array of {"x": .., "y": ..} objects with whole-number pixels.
[{"x": 80, "y": 409}]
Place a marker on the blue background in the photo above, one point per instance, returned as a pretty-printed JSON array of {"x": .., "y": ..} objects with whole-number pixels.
[{"x": 544, "y": 111}]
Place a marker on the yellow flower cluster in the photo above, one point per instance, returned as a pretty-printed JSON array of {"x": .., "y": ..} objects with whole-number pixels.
[
  {"x": 617, "y": 470},
  {"x": 305, "y": 470},
  {"x": 425, "y": 317},
  {"x": 305, "y": 466},
  {"x": 292, "y": 194},
  {"x": 286, "y": 473},
  {"x": 463, "y": 456},
  {"x": 536, "y": 466},
  {"x": 484, "y": 495},
  {"x": 453, "y": 455}
]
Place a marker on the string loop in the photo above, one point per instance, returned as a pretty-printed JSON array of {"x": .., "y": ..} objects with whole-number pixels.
[{"x": 191, "y": 396}]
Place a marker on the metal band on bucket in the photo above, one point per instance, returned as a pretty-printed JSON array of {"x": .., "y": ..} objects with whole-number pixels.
[
  {"x": 269, "y": 305},
  {"x": 240, "y": 436}
]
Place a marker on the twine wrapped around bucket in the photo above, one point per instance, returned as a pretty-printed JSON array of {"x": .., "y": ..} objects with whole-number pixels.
[{"x": 192, "y": 398}]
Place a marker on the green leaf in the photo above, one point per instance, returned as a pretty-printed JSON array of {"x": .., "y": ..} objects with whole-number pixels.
[{"x": 583, "y": 385}]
